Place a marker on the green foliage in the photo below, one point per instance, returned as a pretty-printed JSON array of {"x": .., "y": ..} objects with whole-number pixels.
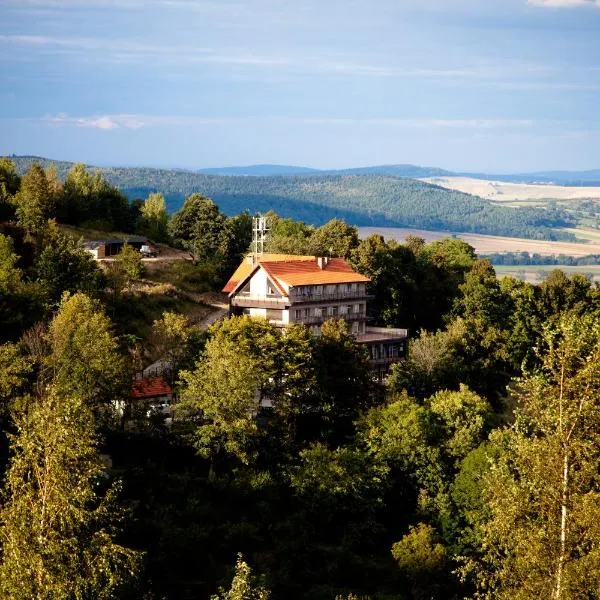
[
  {"x": 465, "y": 418},
  {"x": 221, "y": 398},
  {"x": 154, "y": 218},
  {"x": 65, "y": 266},
  {"x": 14, "y": 371},
  {"x": 57, "y": 525},
  {"x": 129, "y": 261},
  {"x": 84, "y": 356},
  {"x": 243, "y": 586},
  {"x": 34, "y": 201},
  {"x": 89, "y": 199},
  {"x": 542, "y": 535},
  {"x": 423, "y": 559},
  {"x": 9, "y": 186},
  {"x": 335, "y": 238}
]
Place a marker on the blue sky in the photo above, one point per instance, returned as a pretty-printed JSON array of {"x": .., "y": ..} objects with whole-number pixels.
[{"x": 492, "y": 85}]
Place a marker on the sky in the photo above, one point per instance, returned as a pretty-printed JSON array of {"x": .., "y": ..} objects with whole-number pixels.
[{"x": 471, "y": 85}]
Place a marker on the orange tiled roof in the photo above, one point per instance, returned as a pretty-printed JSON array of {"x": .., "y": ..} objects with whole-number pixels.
[
  {"x": 247, "y": 266},
  {"x": 303, "y": 272},
  {"x": 151, "y": 387},
  {"x": 296, "y": 270}
]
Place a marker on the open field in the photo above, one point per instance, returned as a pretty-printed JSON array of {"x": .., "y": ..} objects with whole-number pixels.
[
  {"x": 500, "y": 191},
  {"x": 488, "y": 244},
  {"x": 537, "y": 273}
]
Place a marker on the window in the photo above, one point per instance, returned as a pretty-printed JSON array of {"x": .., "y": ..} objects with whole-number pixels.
[
  {"x": 307, "y": 312},
  {"x": 270, "y": 289},
  {"x": 318, "y": 312},
  {"x": 357, "y": 308},
  {"x": 333, "y": 311},
  {"x": 297, "y": 314}
]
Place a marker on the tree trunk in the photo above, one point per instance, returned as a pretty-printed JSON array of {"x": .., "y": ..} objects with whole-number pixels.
[{"x": 563, "y": 528}]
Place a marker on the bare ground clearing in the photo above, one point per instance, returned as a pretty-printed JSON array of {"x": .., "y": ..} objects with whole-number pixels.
[
  {"x": 500, "y": 191},
  {"x": 488, "y": 244}
]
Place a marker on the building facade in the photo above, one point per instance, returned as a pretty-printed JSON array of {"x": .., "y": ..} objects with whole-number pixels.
[{"x": 309, "y": 290}]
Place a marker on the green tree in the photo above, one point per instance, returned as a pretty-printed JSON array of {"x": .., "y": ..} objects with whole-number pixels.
[
  {"x": 465, "y": 418},
  {"x": 243, "y": 586},
  {"x": 9, "y": 186},
  {"x": 154, "y": 218},
  {"x": 65, "y": 266},
  {"x": 58, "y": 527},
  {"x": 84, "y": 354},
  {"x": 34, "y": 201},
  {"x": 201, "y": 226},
  {"x": 542, "y": 538},
  {"x": 220, "y": 399},
  {"x": 425, "y": 561},
  {"x": 288, "y": 236},
  {"x": 130, "y": 262},
  {"x": 335, "y": 238}
]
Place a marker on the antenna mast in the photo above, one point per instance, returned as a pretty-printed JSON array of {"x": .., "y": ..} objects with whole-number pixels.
[{"x": 260, "y": 229}]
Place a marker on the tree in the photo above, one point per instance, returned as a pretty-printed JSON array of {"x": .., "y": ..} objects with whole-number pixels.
[
  {"x": 34, "y": 201},
  {"x": 154, "y": 218},
  {"x": 65, "y": 266},
  {"x": 84, "y": 355},
  {"x": 287, "y": 236},
  {"x": 221, "y": 399},
  {"x": 424, "y": 559},
  {"x": 14, "y": 371},
  {"x": 243, "y": 586},
  {"x": 335, "y": 238},
  {"x": 130, "y": 262},
  {"x": 542, "y": 538},
  {"x": 58, "y": 526},
  {"x": 9, "y": 186},
  {"x": 344, "y": 382},
  {"x": 464, "y": 417},
  {"x": 172, "y": 335},
  {"x": 200, "y": 225}
]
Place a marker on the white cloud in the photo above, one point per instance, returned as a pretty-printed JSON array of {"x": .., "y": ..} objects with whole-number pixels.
[
  {"x": 135, "y": 121},
  {"x": 126, "y": 121},
  {"x": 564, "y": 3}
]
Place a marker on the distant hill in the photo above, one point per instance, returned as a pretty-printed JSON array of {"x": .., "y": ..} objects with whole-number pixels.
[
  {"x": 361, "y": 199},
  {"x": 260, "y": 170}
]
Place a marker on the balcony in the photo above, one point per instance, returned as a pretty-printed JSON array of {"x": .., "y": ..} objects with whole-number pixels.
[
  {"x": 257, "y": 301},
  {"x": 333, "y": 297},
  {"x": 314, "y": 320}
]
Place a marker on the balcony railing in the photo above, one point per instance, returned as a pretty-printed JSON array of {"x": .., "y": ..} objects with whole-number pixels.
[
  {"x": 328, "y": 297},
  {"x": 251, "y": 300},
  {"x": 317, "y": 320}
]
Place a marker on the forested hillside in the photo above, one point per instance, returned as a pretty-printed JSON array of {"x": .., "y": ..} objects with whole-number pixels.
[
  {"x": 470, "y": 472},
  {"x": 380, "y": 200}
]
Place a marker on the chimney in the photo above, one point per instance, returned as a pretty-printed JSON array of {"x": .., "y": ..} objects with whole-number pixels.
[{"x": 322, "y": 261}]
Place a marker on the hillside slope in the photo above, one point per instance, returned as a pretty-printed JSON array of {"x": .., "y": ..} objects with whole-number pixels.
[{"x": 369, "y": 199}]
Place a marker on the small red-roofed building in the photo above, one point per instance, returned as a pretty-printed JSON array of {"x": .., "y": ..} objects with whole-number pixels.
[{"x": 152, "y": 396}]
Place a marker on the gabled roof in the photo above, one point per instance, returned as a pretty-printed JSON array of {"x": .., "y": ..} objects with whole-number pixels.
[
  {"x": 294, "y": 273},
  {"x": 152, "y": 387},
  {"x": 290, "y": 270},
  {"x": 249, "y": 263}
]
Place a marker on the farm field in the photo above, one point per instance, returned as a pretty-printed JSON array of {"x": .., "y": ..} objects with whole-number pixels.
[
  {"x": 537, "y": 273},
  {"x": 488, "y": 244},
  {"x": 500, "y": 191}
]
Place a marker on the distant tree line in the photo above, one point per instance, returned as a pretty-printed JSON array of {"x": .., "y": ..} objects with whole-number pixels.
[{"x": 527, "y": 258}]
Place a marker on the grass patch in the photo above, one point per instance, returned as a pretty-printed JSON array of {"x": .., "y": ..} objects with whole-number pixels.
[{"x": 137, "y": 309}]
